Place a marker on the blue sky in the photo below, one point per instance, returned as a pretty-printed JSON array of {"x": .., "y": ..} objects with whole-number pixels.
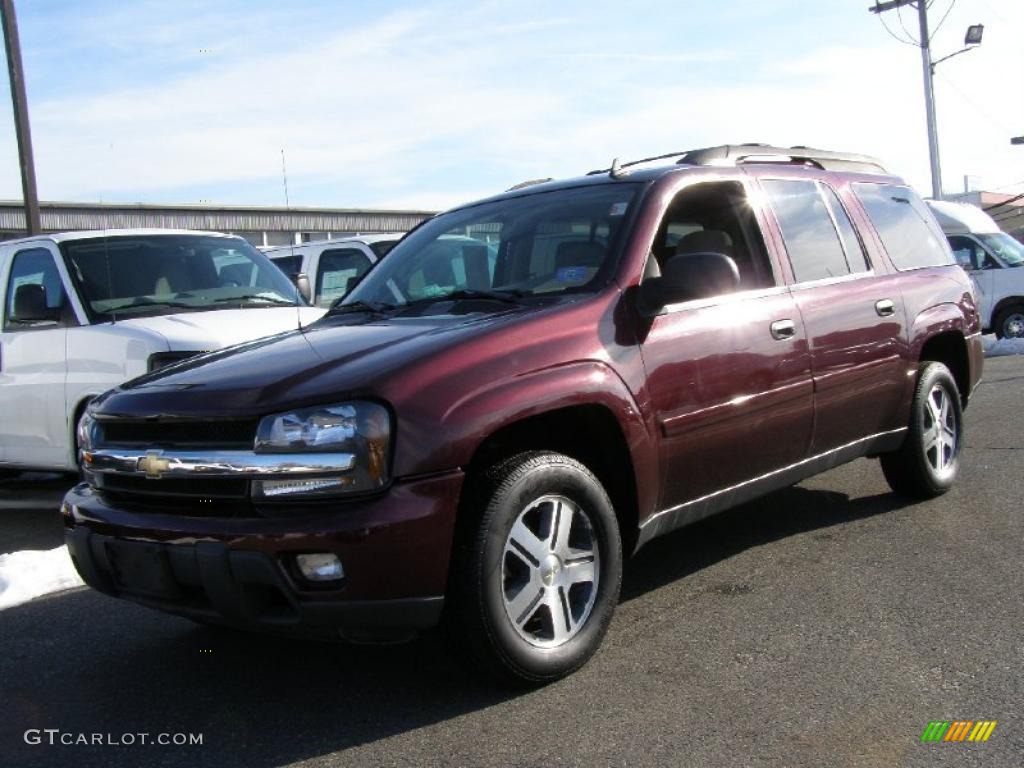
[{"x": 428, "y": 104}]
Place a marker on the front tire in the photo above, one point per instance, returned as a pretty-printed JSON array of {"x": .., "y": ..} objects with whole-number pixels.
[
  {"x": 1010, "y": 323},
  {"x": 929, "y": 460},
  {"x": 538, "y": 575}
]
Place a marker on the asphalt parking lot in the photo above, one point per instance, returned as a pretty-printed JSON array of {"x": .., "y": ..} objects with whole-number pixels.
[{"x": 825, "y": 625}]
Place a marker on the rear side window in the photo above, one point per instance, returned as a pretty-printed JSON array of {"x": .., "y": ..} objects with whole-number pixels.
[
  {"x": 339, "y": 269},
  {"x": 906, "y": 227},
  {"x": 812, "y": 242},
  {"x": 855, "y": 257}
]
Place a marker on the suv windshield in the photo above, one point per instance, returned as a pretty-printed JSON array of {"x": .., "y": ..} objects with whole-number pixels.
[
  {"x": 548, "y": 243},
  {"x": 131, "y": 275},
  {"x": 1005, "y": 247}
]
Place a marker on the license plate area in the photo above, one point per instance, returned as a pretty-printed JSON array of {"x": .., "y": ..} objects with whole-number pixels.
[{"x": 141, "y": 569}]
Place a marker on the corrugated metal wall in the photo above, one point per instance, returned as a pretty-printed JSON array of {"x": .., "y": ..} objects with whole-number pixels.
[{"x": 62, "y": 217}]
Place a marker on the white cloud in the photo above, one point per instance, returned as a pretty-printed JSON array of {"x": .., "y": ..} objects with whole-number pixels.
[{"x": 415, "y": 110}]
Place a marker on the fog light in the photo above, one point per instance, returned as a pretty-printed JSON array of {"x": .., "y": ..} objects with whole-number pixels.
[
  {"x": 311, "y": 485},
  {"x": 320, "y": 566}
]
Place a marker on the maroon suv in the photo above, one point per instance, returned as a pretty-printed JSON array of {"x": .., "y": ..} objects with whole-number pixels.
[{"x": 527, "y": 389}]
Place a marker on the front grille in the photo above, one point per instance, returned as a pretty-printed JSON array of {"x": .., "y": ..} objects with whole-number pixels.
[
  {"x": 239, "y": 434},
  {"x": 187, "y": 487}
]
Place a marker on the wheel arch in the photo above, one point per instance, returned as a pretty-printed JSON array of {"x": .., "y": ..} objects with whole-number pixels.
[{"x": 589, "y": 433}]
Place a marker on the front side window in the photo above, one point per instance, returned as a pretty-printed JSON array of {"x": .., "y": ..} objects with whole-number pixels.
[
  {"x": 339, "y": 269},
  {"x": 969, "y": 254},
  {"x": 132, "y": 275},
  {"x": 290, "y": 265},
  {"x": 906, "y": 227},
  {"x": 812, "y": 240},
  {"x": 715, "y": 217},
  {"x": 542, "y": 244},
  {"x": 35, "y": 292}
]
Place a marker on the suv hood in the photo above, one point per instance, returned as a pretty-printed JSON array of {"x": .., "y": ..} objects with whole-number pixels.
[
  {"x": 321, "y": 363},
  {"x": 218, "y": 328}
]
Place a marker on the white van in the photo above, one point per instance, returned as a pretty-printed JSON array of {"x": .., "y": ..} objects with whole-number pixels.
[
  {"x": 993, "y": 259},
  {"x": 84, "y": 311},
  {"x": 332, "y": 267}
]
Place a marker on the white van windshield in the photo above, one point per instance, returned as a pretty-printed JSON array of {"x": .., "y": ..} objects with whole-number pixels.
[
  {"x": 1009, "y": 251},
  {"x": 134, "y": 275}
]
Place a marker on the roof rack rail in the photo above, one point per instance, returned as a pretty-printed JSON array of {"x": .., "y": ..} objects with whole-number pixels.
[
  {"x": 529, "y": 183},
  {"x": 737, "y": 154}
]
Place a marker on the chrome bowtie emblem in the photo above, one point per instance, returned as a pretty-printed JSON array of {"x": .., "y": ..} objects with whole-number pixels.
[{"x": 153, "y": 464}]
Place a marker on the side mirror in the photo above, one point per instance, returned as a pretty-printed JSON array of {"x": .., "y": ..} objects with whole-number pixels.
[
  {"x": 302, "y": 283},
  {"x": 689, "y": 276},
  {"x": 30, "y": 305}
]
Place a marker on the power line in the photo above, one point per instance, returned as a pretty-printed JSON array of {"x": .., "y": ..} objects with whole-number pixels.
[
  {"x": 1005, "y": 202},
  {"x": 972, "y": 102},
  {"x": 896, "y": 37},
  {"x": 943, "y": 20}
]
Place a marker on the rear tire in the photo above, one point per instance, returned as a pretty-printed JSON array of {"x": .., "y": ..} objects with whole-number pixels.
[
  {"x": 928, "y": 462},
  {"x": 538, "y": 569},
  {"x": 1010, "y": 322}
]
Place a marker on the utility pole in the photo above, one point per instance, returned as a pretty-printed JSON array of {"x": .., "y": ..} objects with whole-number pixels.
[
  {"x": 929, "y": 88},
  {"x": 21, "y": 126}
]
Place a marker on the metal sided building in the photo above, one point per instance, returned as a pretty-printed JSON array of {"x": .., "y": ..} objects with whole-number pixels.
[{"x": 260, "y": 226}]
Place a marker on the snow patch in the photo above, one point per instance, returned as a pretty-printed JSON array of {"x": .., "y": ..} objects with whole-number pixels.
[
  {"x": 30, "y": 574},
  {"x": 998, "y": 347}
]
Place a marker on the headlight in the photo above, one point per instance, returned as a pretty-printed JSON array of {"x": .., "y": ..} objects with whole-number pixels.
[
  {"x": 85, "y": 432},
  {"x": 361, "y": 429}
]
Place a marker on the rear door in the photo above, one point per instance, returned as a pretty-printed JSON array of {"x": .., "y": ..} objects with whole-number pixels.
[
  {"x": 852, "y": 310},
  {"x": 33, "y": 360}
]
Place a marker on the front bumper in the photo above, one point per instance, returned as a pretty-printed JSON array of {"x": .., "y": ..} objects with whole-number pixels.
[{"x": 394, "y": 548}]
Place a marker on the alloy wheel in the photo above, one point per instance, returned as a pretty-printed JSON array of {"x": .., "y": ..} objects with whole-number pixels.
[
  {"x": 941, "y": 432},
  {"x": 550, "y": 570}
]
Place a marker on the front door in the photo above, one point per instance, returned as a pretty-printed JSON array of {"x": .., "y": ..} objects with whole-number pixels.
[
  {"x": 33, "y": 364},
  {"x": 728, "y": 376}
]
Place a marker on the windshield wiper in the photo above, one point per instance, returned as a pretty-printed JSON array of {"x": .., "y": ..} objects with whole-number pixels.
[
  {"x": 241, "y": 299},
  {"x": 148, "y": 304},
  {"x": 359, "y": 306},
  {"x": 510, "y": 296}
]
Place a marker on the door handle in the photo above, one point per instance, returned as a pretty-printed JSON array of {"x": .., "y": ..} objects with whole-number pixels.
[
  {"x": 783, "y": 329},
  {"x": 885, "y": 308}
]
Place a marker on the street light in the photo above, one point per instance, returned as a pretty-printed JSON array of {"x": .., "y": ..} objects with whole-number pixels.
[{"x": 971, "y": 41}]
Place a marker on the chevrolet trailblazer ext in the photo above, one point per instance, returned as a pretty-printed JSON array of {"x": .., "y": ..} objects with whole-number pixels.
[{"x": 491, "y": 435}]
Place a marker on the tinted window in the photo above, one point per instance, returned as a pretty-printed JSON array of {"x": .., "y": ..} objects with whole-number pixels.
[
  {"x": 812, "y": 242},
  {"x": 381, "y": 247},
  {"x": 339, "y": 269},
  {"x": 855, "y": 258},
  {"x": 969, "y": 254},
  {"x": 290, "y": 265},
  {"x": 906, "y": 227}
]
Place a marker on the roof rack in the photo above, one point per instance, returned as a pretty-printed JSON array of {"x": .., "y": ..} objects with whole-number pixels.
[
  {"x": 738, "y": 154},
  {"x": 529, "y": 183}
]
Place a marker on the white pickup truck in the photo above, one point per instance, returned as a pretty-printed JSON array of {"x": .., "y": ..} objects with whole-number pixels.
[
  {"x": 83, "y": 311},
  {"x": 993, "y": 259}
]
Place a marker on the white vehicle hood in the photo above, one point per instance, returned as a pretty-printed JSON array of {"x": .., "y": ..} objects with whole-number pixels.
[{"x": 218, "y": 328}]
